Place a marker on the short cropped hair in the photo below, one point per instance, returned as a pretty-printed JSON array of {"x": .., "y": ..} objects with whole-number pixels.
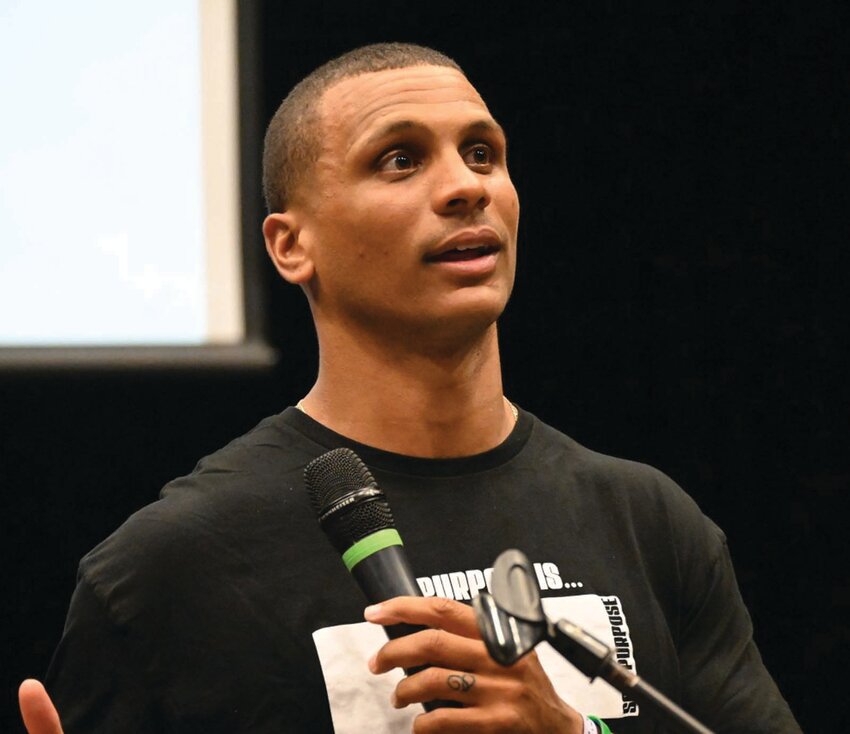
[{"x": 292, "y": 143}]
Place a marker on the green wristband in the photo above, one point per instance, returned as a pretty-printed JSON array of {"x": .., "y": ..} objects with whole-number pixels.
[{"x": 601, "y": 725}]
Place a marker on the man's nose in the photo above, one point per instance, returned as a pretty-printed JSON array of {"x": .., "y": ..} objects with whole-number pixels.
[{"x": 458, "y": 189}]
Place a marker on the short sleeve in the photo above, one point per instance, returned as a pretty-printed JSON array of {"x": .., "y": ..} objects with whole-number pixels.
[
  {"x": 96, "y": 677},
  {"x": 725, "y": 681}
]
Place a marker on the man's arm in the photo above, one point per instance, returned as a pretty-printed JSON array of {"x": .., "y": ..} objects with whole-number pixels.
[
  {"x": 515, "y": 699},
  {"x": 726, "y": 684},
  {"x": 96, "y": 678}
]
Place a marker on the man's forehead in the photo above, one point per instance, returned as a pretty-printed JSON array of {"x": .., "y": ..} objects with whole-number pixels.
[{"x": 355, "y": 104}]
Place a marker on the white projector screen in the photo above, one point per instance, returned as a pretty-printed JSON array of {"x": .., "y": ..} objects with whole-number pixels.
[{"x": 119, "y": 190}]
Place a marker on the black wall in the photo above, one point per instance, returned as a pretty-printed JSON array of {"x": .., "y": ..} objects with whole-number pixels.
[{"x": 680, "y": 299}]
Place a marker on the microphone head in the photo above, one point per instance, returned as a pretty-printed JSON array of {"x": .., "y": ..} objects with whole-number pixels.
[{"x": 346, "y": 498}]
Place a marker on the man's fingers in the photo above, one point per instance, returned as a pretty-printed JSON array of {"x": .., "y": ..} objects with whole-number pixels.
[
  {"x": 445, "y": 614},
  {"x": 434, "y": 684},
  {"x": 430, "y": 647},
  {"x": 37, "y": 709},
  {"x": 457, "y": 721}
]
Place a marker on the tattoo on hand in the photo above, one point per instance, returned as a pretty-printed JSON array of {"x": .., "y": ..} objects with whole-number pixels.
[{"x": 462, "y": 682}]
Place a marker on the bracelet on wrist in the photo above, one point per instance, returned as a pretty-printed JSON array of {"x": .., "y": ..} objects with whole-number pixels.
[{"x": 600, "y": 726}]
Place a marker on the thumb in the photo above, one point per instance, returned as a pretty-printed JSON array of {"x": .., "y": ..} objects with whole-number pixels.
[{"x": 37, "y": 709}]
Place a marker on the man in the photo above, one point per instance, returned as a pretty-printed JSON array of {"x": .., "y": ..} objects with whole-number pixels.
[{"x": 222, "y": 608}]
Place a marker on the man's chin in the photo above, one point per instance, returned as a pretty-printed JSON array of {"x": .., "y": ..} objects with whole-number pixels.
[
  {"x": 457, "y": 328},
  {"x": 480, "y": 306},
  {"x": 452, "y": 321}
]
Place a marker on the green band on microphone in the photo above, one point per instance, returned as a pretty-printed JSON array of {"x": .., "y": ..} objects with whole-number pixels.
[{"x": 365, "y": 547}]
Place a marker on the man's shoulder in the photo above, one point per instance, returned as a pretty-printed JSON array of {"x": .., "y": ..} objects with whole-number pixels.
[
  {"x": 631, "y": 504},
  {"x": 234, "y": 506},
  {"x": 269, "y": 448},
  {"x": 559, "y": 451},
  {"x": 640, "y": 488},
  {"x": 262, "y": 466}
]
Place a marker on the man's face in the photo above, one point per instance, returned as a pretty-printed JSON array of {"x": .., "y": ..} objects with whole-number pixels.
[{"x": 410, "y": 215}]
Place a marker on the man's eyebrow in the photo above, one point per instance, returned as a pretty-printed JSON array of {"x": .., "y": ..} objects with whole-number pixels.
[
  {"x": 391, "y": 129},
  {"x": 484, "y": 125}
]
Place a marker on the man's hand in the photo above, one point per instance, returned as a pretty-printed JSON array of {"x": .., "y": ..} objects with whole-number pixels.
[
  {"x": 37, "y": 709},
  {"x": 496, "y": 699}
]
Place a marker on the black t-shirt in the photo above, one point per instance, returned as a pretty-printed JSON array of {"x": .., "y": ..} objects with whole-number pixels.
[{"x": 223, "y": 608}]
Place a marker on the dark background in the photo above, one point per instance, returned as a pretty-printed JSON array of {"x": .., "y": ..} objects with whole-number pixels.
[{"x": 681, "y": 298}]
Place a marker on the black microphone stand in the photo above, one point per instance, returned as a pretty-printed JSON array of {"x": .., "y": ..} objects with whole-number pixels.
[
  {"x": 595, "y": 659},
  {"x": 512, "y": 622}
]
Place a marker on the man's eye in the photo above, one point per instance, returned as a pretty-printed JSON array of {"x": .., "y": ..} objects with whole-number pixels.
[
  {"x": 479, "y": 155},
  {"x": 397, "y": 161}
]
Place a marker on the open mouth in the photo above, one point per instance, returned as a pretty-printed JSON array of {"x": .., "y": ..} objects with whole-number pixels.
[{"x": 463, "y": 252}]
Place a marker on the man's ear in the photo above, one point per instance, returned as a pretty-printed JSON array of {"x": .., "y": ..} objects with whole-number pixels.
[{"x": 286, "y": 248}]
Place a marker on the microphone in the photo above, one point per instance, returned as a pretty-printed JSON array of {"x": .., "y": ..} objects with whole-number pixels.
[{"x": 356, "y": 517}]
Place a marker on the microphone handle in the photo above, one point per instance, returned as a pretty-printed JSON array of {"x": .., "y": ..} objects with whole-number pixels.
[{"x": 386, "y": 574}]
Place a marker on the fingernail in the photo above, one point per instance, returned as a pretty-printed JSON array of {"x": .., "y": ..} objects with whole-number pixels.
[
  {"x": 394, "y": 701},
  {"x": 372, "y": 611},
  {"x": 373, "y": 662}
]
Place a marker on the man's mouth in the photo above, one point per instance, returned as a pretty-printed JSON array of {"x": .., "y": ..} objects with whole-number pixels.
[{"x": 463, "y": 252}]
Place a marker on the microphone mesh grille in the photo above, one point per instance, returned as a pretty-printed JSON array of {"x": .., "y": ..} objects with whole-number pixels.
[{"x": 334, "y": 475}]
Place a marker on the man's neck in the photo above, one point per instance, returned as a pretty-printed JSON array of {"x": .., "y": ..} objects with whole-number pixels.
[{"x": 411, "y": 401}]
